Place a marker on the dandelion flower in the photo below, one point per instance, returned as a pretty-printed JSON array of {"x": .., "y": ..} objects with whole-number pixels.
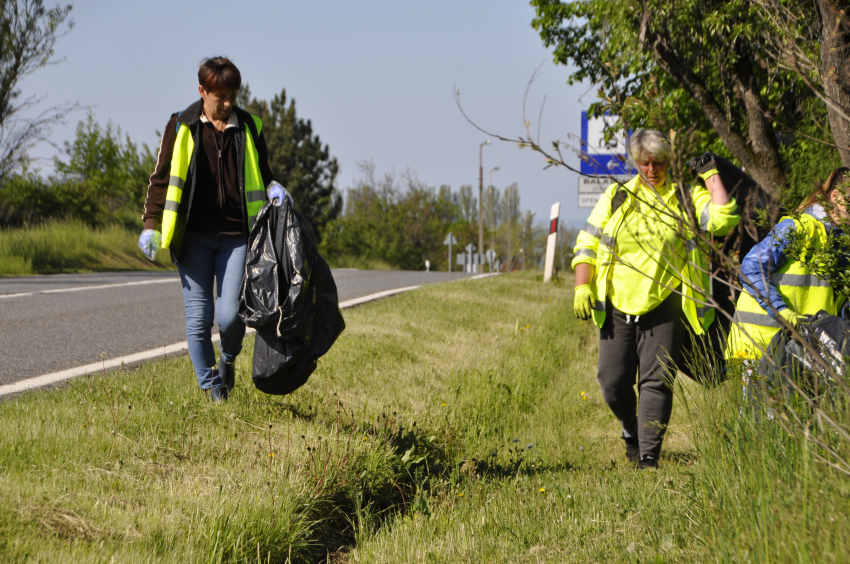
[
  {"x": 444, "y": 404},
  {"x": 460, "y": 494},
  {"x": 542, "y": 490}
]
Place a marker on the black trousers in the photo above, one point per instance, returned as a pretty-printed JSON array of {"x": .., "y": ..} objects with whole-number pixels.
[{"x": 647, "y": 349}]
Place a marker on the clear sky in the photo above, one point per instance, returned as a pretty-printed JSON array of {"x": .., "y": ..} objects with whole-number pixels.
[{"x": 375, "y": 77}]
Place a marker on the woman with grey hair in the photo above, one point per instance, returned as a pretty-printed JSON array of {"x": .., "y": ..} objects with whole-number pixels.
[{"x": 640, "y": 276}]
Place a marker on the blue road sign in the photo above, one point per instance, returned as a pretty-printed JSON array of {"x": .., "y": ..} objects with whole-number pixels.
[{"x": 602, "y": 158}]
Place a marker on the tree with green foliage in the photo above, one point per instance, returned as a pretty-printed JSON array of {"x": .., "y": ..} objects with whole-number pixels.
[
  {"x": 106, "y": 171},
  {"x": 298, "y": 159},
  {"x": 697, "y": 66},
  {"x": 102, "y": 182},
  {"x": 28, "y": 33}
]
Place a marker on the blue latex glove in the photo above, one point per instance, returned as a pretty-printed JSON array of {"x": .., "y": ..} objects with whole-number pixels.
[
  {"x": 150, "y": 242},
  {"x": 279, "y": 193}
]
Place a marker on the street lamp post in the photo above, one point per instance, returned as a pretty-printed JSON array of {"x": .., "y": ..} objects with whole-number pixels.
[
  {"x": 491, "y": 198},
  {"x": 481, "y": 195}
]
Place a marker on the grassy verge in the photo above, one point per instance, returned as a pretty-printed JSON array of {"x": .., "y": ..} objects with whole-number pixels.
[
  {"x": 73, "y": 247},
  {"x": 456, "y": 423}
]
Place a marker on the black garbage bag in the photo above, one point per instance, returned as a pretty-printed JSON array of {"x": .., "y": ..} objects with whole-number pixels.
[
  {"x": 704, "y": 355},
  {"x": 289, "y": 296},
  {"x": 827, "y": 335}
]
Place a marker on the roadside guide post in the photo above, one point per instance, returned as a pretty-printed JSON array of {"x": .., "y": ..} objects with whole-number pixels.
[
  {"x": 450, "y": 240},
  {"x": 470, "y": 263},
  {"x": 491, "y": 258},
  {"x": 553, "y": 239}
]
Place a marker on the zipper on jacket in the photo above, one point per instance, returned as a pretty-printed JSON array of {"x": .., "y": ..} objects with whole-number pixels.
[{"x": 221, "y": 194}]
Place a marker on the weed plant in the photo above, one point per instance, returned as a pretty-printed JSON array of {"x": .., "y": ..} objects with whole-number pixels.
[
  {"x": 72, "y": 247},
  {"x": 460, "y": 422}
]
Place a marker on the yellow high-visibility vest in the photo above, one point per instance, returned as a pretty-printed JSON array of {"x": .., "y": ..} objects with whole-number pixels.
[
  {"x": 184, "y": 147},
  {"x": 802, "y": 291},
  {"x": 597, "y": 245}
]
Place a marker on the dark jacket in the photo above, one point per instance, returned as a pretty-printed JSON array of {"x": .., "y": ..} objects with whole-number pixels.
[{"x": 214, "y": 197}]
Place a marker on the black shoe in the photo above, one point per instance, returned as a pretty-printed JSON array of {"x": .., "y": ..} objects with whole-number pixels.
[
  {"x": 228, "y": 373},
  {"x": 216, "y": 395},
  {"x": 632, "y": 448},
  {"x": 648, "y": 462}
]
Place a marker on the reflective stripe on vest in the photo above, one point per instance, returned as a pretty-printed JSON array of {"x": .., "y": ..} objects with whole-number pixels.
[{"x": 184, "y": 146}]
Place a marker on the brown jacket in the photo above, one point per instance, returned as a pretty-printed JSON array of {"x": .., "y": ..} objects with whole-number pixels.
[{"x": 213, "y": 196}]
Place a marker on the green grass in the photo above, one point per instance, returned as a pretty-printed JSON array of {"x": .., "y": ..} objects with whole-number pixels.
[
  {"x": 72, "y": 247},
  {"x": 448, "y": 424}
]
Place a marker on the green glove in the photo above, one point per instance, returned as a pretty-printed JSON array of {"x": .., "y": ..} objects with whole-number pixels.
[
  {"x": 790, "y": 316},
  {"x": 583, "y": 305}
]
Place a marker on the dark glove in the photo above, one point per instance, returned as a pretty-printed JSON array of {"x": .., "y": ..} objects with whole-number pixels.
[{"x": 704, "y": 166}]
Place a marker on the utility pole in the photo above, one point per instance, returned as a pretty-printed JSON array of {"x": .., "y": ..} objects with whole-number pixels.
[
  {"x": 491, "y": 198},
  {"x": 481, "y": 194}
]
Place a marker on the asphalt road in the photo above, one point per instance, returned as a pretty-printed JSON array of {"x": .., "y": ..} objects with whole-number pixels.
[{"x": 52, "y": 323}]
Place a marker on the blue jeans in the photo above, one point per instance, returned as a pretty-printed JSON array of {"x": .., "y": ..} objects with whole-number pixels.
[{"x": 206, "y": 258}]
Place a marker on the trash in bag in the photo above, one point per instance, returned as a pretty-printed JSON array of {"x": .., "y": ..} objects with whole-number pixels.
[
  {"x": 704, "y": 354},
  {"x": 827, "y": 335},
  {"x": 289, "y": 296}
]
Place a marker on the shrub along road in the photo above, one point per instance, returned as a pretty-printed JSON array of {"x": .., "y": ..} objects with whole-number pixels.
[{"x": 53, "y": 323}]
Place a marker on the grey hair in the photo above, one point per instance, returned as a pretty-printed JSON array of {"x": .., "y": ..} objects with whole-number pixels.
[{"x": 649, "y": 143}]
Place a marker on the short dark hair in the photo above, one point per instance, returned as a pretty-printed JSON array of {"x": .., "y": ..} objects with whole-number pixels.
[{"x": 219, "y": 73}]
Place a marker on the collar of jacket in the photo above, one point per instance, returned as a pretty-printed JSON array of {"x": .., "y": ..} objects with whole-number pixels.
[{"x": 192, "y": 115}]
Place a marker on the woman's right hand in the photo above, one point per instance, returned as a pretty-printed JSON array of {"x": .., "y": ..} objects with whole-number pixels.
[
  {"x": 583, "y": 304},
  {"x": 150, "y": 241}
]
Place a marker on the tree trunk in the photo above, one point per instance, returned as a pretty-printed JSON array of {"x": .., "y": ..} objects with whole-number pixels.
[
  {"x": 759, "y": 153},
  {"x": 835, "y": 70}
]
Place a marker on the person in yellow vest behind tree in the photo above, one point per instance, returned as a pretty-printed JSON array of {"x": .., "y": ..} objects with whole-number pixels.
[
  {"x": 640, "y": 275},
  {"x": 778, "y": 286},
  {"x": 208, "y": 186}
]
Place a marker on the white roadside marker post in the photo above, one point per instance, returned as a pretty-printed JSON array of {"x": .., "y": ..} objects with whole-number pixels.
[
  {"x": 450, "y": 240},
  {"x": 550, "y": 244}
]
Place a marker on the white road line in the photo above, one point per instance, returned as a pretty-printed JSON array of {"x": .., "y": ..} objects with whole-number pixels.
[
  {"x": 62, "y": 375},
  {"x": 85, "y": 288}
]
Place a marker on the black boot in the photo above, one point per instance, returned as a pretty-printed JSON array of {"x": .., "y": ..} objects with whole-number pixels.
[
  {"x": 632, "y": 448},
  {"x": 228, "y": 373},
  {"x": 216, "y": 395},
  {"x": 648, "y": 462}
]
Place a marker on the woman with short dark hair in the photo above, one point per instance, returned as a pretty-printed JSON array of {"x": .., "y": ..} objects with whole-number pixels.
[
  {"x": 640, "y": 275},
  {"x": 209, "y": 183}
]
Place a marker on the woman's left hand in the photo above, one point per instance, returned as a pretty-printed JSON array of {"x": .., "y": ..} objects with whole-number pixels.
[{"x": 279, "y": 193}]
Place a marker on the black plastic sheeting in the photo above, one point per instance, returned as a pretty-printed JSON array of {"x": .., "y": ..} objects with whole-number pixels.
[
  {"x": 828, "y": 335},
  {"x": 289, "y": 296}
]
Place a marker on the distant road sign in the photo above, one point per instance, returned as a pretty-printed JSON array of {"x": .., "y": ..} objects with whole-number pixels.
[
  {"x": 450, "y": 239},
  {"x": 470, "y": 248}
]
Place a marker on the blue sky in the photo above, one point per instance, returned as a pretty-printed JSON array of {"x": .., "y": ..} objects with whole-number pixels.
[{"x": 375, "y": 78}]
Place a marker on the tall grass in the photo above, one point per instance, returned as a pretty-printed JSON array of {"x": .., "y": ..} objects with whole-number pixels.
[
  {"x": 72, "y": 247},
  {"x": 456, "y": 423}
]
